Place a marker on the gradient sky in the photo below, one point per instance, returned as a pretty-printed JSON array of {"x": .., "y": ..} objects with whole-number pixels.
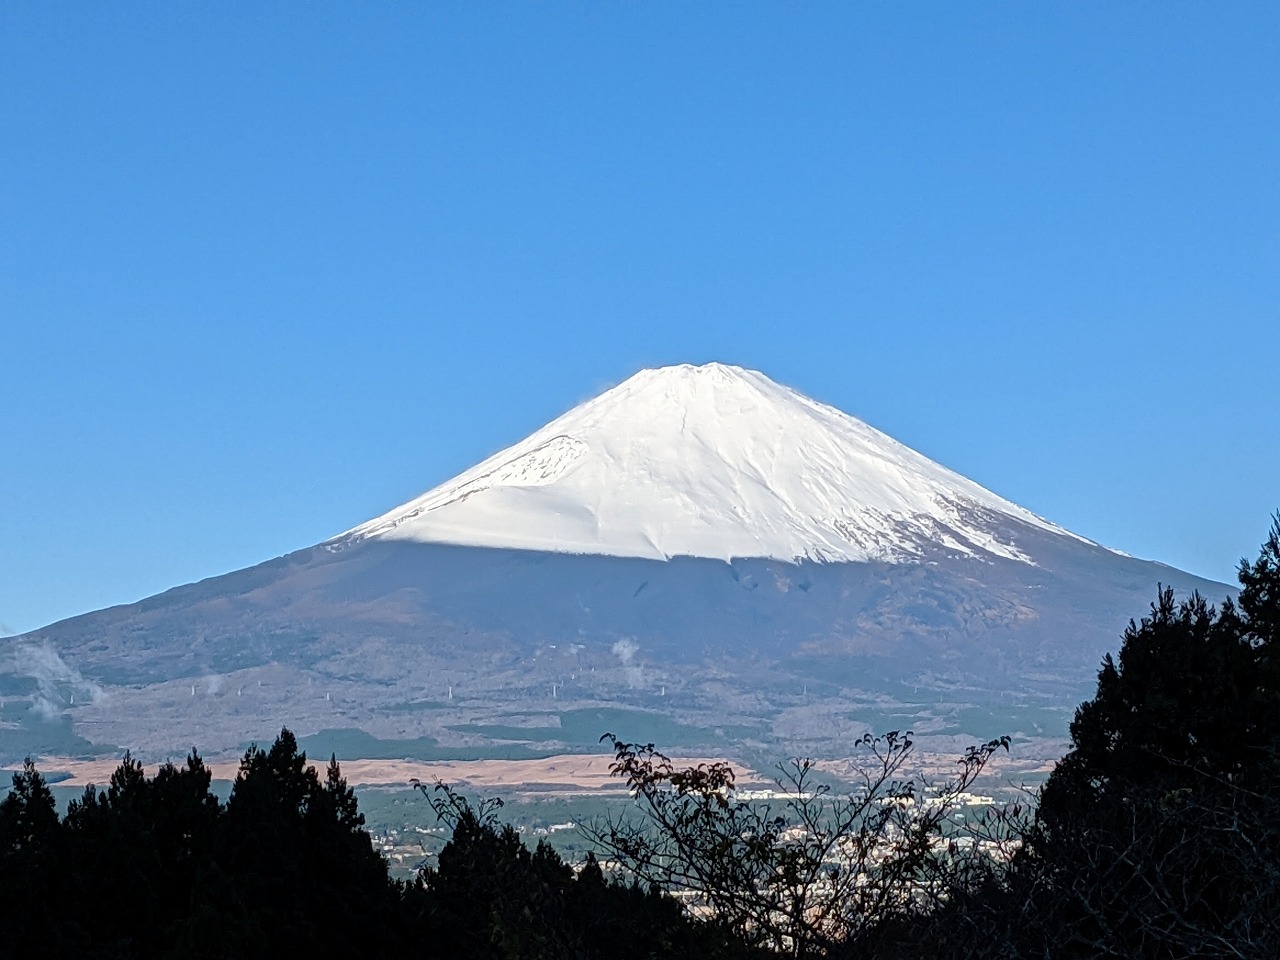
[{"x": 267, "y": 270}]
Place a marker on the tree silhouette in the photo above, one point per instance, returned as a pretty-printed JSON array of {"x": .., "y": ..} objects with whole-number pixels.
[
  {"x": 1161, "y": 826},
  {"x": 297, "y": 871},
  {"x": 800, "y": 877},
  {"x": 34, "y": 883},
  {"x": 491, "y": 896}
]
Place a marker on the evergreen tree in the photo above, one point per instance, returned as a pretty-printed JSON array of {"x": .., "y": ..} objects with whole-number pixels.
[
  {"x": 28, "y": 814},
  {"x": 296, "y": 870},
  {"x": 1159, "y": 833},
  {"x": 34, "y": 881}
]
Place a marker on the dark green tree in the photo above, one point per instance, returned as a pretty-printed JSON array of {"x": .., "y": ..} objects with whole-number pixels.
[
  {"x": 34, "y": 869},
  {"x": 1159, "y": 833},
  {"x": 28, "y": 814},
  {"x": 112, "y": 836},
  {"x": 295, "y": 870}
]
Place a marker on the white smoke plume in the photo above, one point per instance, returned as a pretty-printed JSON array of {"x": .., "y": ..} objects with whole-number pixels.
[
  {"x": 59, "y": 684},
  {"x": 625, "y": 650}
]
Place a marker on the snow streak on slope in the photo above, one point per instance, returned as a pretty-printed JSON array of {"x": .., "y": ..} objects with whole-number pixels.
[{"x": 712, "y": 461}]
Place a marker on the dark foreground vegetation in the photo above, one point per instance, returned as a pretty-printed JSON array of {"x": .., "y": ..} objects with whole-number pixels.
[{"x": 1157, "y": 836}]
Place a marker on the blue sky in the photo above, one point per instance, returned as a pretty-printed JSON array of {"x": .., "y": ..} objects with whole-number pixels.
[{"x": 267, "y": 270}]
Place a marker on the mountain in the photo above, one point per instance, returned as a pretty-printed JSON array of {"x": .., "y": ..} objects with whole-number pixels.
[
  {"x": 698, "y": 556},
  {"x": 715, "y": 462}
]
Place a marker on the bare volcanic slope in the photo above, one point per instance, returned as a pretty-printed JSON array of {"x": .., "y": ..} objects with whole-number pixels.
[{"x": 699, "y": 557}]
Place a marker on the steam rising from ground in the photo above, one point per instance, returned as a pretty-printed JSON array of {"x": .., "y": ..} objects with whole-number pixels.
[
  {"x": 60, "y": 685},
  {"x": 625, "y": 650}
]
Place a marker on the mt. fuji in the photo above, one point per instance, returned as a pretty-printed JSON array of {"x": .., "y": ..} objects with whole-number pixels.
[
  {"x": 712, "y": 461},
  {"x": 698, "y": 556}
]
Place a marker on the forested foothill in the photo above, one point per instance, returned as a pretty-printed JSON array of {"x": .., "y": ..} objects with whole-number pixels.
[{"x": 1157, "y": 836}]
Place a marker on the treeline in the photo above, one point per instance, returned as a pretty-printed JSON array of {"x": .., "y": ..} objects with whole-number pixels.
[
  {"x": 159, "y": 867},
  {"x": 1157, "y": 836}
]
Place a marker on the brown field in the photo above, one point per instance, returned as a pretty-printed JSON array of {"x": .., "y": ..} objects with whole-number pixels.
[
  {"x": 572, "y": 773},
  {"x": 568, "y": 772}
]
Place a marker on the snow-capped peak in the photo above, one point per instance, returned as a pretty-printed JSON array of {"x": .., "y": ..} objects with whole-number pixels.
[{"x": 711, "y": 461}]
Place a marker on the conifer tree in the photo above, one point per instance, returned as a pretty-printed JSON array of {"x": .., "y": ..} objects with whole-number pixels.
[
  {"x": 303, "y": 872},
  {"x": 28, "y": 814},
  {"x": 1159, "y": 833},
  {"x": 34, "y": 867}
]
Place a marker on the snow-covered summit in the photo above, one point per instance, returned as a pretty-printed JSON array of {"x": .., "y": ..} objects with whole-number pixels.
[{"x": 711, "y": 461}]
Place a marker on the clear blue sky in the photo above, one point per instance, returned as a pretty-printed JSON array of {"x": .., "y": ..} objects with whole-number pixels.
[{"x": 267, "y": 270}]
